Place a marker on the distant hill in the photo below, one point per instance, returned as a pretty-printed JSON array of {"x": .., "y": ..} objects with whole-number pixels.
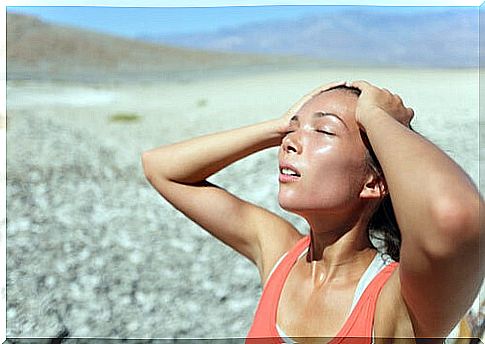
[
  {"x": 424, "y": 37},
  {"x": 40, "y": 50}
]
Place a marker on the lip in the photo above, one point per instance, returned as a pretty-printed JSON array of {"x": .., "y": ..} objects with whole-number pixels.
[{"x": 286, "y": 178}]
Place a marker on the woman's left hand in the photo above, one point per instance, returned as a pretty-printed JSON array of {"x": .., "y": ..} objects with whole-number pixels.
[{"x": 374, "y": 99}]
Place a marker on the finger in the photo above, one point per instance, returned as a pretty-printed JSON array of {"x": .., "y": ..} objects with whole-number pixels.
[
  {"x": 411, "y": 113},
  {"x": 295, "y": 107},
  {"x": 399, "y": 99},
  {"x": 313, "y": 93},
  {"x": 361, "y": 85}
]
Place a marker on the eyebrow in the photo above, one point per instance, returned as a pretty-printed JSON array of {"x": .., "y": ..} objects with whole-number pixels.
[{"x": 320, "y": 114}]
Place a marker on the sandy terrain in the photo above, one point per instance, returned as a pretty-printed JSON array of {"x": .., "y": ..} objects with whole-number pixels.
[{"x": 93, "y": 248}]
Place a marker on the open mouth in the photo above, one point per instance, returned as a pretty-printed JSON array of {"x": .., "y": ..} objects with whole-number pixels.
[{"x": 289, "y": 172}]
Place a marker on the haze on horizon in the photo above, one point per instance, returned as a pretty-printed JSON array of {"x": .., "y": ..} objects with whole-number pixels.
[
  {"x": 436, "y": 37},
  {"x": 135, "y": 22}
]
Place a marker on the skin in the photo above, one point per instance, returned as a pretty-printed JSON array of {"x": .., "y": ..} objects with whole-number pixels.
[
  {"x": 336, "y": 194},
  {"x": 435, "y": 203}
]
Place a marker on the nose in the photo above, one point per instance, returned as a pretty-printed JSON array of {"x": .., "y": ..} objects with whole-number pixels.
[{"x": 291, "y": 143}]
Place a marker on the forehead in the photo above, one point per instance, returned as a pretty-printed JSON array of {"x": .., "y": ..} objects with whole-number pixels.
[{"x": 339, "y": 102}]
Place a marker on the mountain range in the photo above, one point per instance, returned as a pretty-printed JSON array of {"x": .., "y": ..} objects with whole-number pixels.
[
  {"x": 37, "y": 49},
  {"x": 422, "y": 37}
]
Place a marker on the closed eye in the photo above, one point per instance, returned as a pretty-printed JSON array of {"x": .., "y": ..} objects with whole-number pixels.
[{"x": 326, "y": 132}]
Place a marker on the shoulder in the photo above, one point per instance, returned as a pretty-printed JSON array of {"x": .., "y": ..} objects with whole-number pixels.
[
  {"x": 274, "y": 246},
  {"x": 391, "y": 318}
]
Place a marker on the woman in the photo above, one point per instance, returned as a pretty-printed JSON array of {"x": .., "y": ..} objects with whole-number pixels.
[{"x": 344, "y": 149}]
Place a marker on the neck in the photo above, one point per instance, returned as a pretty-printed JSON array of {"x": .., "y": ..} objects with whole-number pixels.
[{"x": 339, "y": 250}]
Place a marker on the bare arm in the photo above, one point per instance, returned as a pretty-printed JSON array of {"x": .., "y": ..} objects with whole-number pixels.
[
  {"x": 438, "y": 211},
  {"x": 178, "y": 172},
  {"x": 196, "y": 159}
]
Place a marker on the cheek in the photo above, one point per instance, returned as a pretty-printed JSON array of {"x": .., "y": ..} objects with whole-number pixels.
[
  {"x": 337, "y": 177},
  {"x": 338, "y": 161},
  {"x": 333, "y": 178}
]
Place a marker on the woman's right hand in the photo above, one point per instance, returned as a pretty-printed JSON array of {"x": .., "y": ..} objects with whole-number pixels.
[{"x": 285, "y": 119}]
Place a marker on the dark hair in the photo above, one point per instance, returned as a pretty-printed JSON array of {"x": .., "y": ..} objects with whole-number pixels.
[{"x": 382, "y": 227}]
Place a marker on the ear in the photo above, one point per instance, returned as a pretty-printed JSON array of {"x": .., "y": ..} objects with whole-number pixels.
[{"x": 374, "y": 187}]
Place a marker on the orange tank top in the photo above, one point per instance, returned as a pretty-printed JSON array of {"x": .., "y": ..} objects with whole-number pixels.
[{"x": 358, "y": 326}]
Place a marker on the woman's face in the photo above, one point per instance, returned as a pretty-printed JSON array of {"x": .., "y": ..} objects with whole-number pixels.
[{"x": 325, "y": 147}]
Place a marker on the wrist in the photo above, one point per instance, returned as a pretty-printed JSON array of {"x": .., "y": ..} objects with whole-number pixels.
[
  {"x": 269, "y": 133},
  {"x": 371, "y": 116},
  {"x": 276, "y": 129}
]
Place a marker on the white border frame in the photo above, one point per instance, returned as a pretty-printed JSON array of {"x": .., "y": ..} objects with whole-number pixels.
[{"x": 140, "y": 3}]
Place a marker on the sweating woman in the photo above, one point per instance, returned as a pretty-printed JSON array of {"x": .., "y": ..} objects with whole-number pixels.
[{"x": 352, "y": 168}]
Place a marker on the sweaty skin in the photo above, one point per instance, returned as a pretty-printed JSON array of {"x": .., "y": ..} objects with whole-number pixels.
[
  {"x": 336, "y": 193},
  {"x": 331, "y": 193},
  {"x": 435, "y": 203}
]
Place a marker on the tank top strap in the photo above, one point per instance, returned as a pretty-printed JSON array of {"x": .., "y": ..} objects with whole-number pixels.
[
  {"x": 359, "y": 325},
  {"x": 280, "y": 272},
  {"x": 264, "y": 320}
]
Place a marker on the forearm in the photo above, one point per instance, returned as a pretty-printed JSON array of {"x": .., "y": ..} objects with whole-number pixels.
[
  {"x": 196, "y": 159},
  {"x": 428, "y": 189}
]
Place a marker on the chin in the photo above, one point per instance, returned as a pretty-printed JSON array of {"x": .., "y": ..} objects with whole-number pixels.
[
  {"x": 288, "y": 204},
  {"x": 283, "y": 204}
]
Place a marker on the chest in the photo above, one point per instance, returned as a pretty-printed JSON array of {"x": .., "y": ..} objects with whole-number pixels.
[{"x": 303, "y": 311}]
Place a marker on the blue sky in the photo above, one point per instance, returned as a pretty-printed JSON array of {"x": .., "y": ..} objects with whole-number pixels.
[
  {"x": 133, "y": 21},
  {"x": 136, "y": 21}
]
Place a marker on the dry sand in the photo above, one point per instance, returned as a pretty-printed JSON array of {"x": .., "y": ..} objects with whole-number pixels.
[{"x": 92, "y": 247}]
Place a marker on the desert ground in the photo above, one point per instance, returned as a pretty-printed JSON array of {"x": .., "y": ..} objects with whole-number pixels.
[{"x": 94, "y": 249}]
